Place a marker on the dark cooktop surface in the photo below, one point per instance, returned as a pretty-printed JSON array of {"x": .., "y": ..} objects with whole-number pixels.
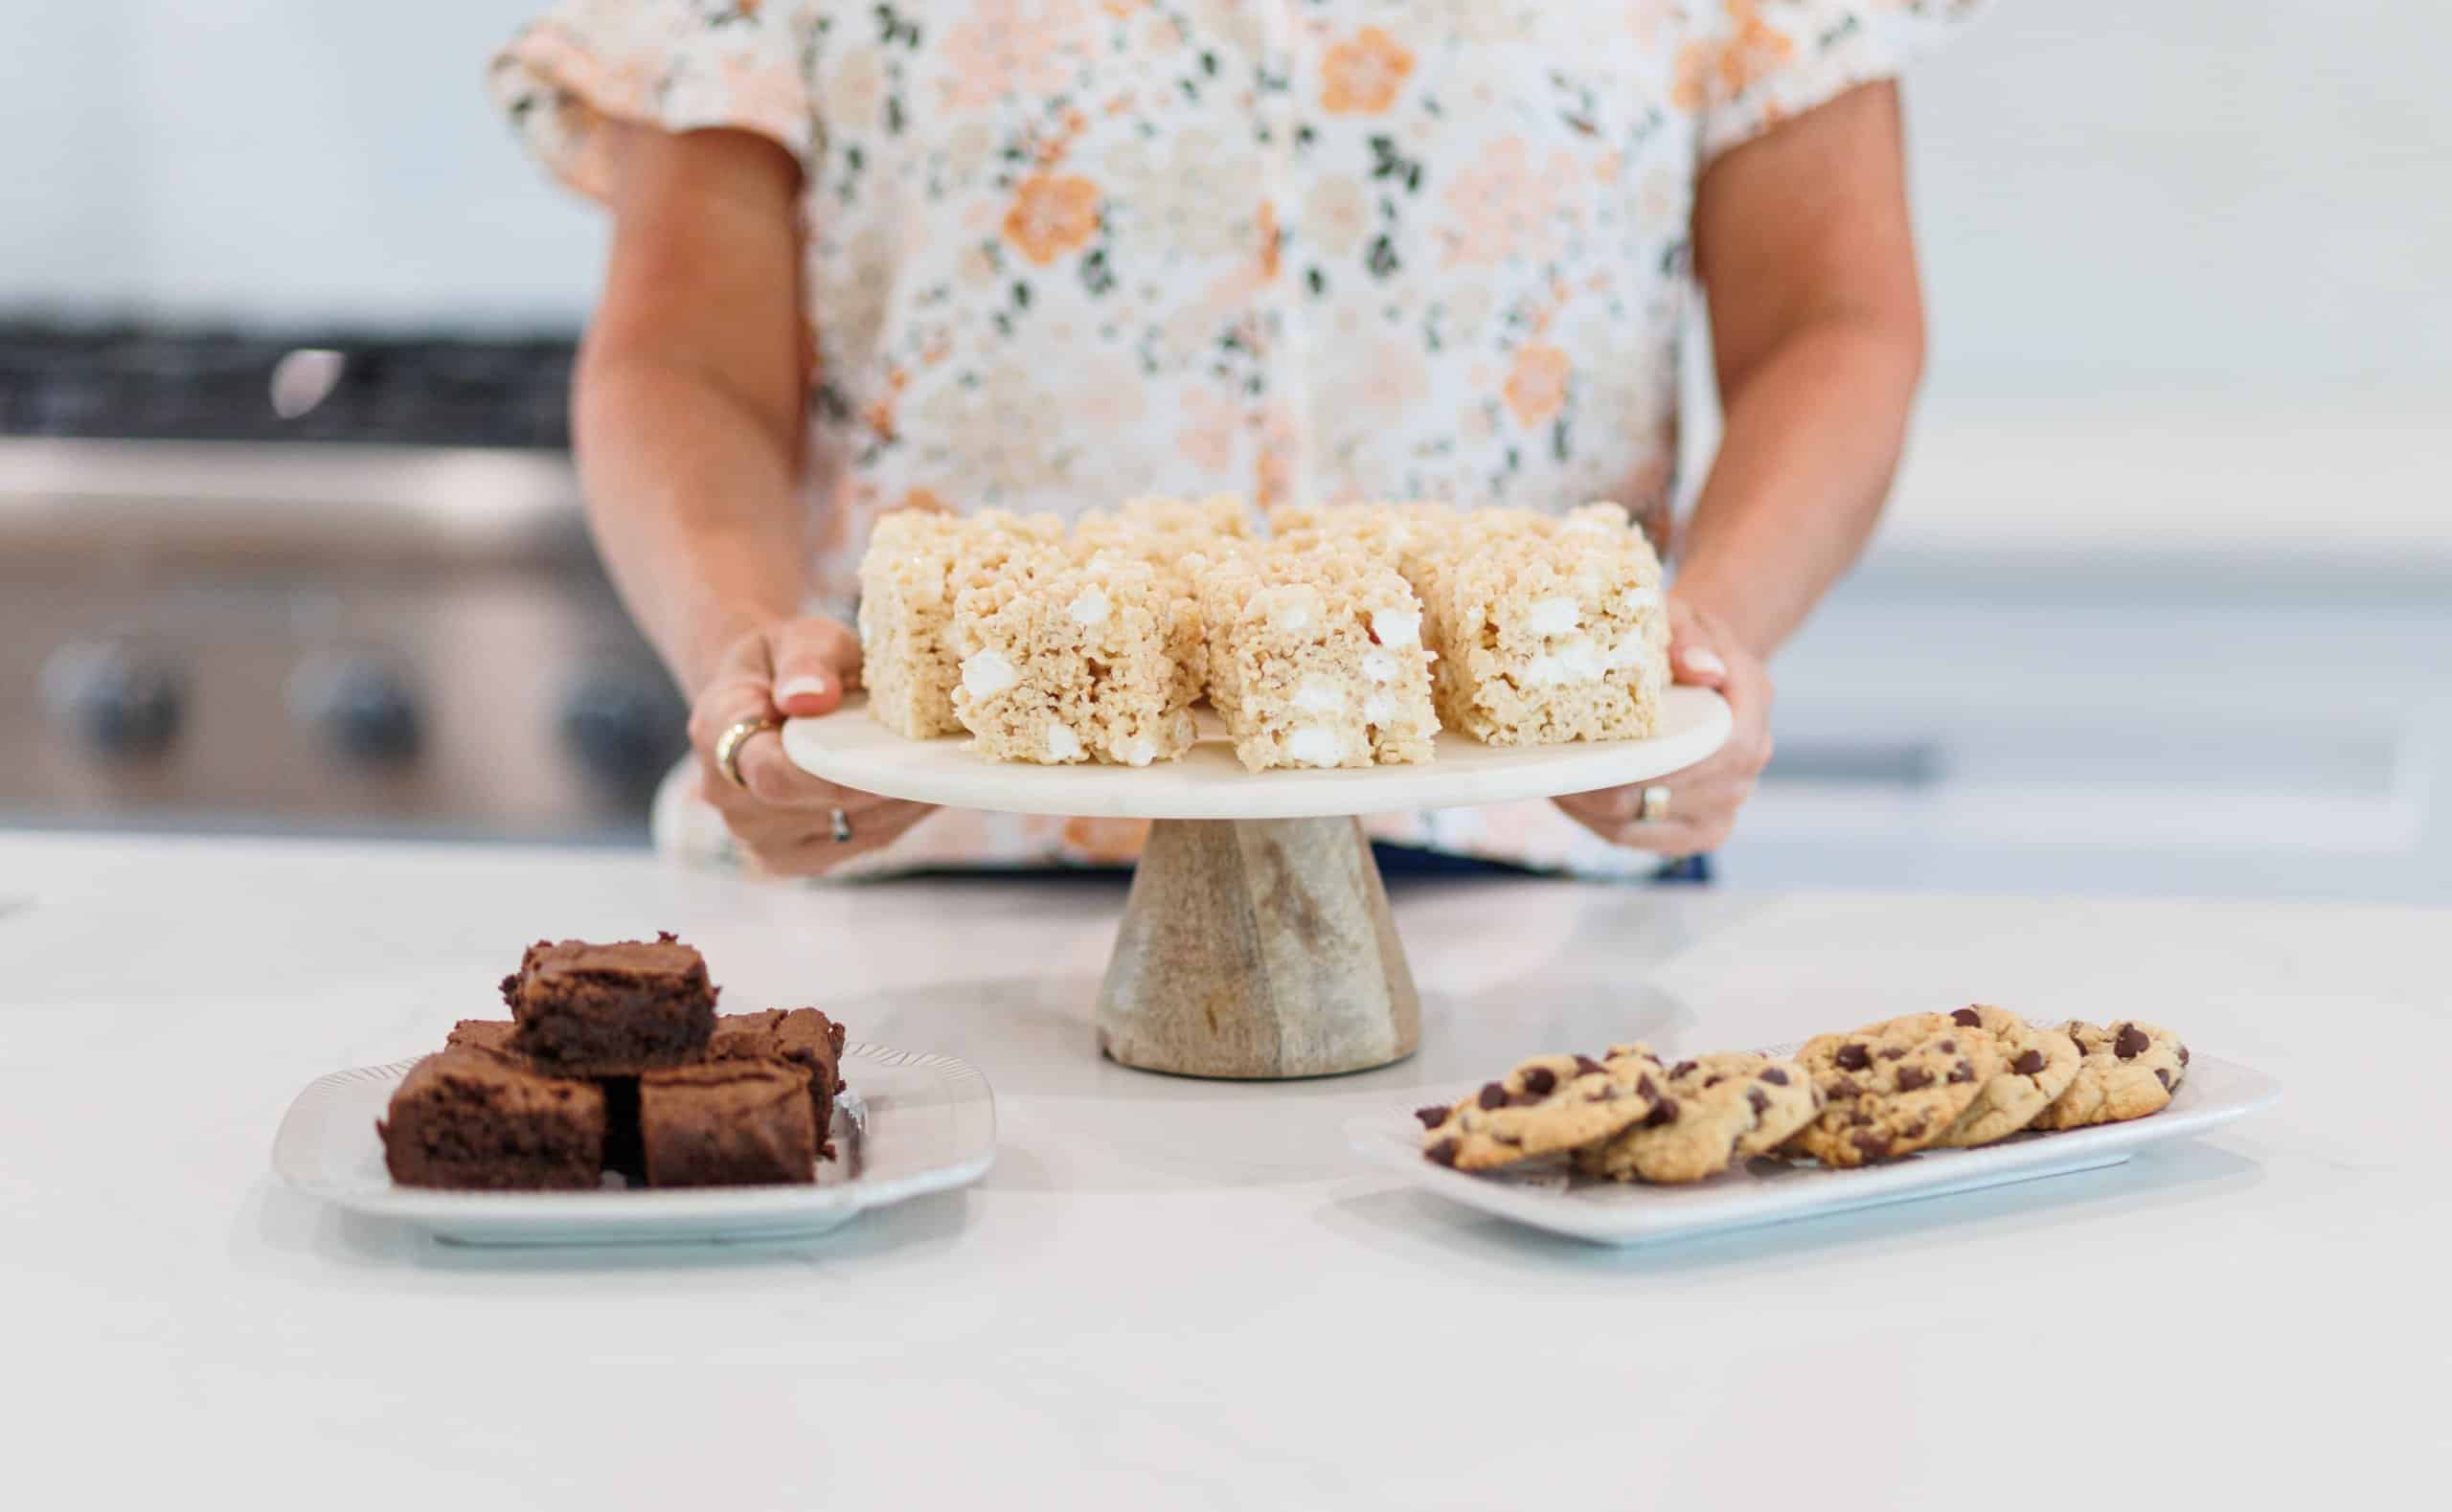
[{"x": 133, "y": 381}]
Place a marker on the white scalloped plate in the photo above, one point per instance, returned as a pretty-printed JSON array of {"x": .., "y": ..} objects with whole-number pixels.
[
  {"x": 910, "y": 1124},
  {"x": 1545, "y": 1195},
  {"x": 1207, "y": 782}
]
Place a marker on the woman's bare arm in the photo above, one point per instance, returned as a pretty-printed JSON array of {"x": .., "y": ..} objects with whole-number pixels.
[
  {"x": 1802, "y": 242},
  {"x": 686, "y": 409},
  {"x": 1803, "y": 248},
  {"x": 688, "y": 429}
]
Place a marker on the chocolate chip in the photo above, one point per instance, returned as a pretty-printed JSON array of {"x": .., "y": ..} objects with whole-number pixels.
[
  {"x": 1681, "y": 1068},
  {"x": 1949, "y": 1047},
  {"x": 2130, "y": 1043},
  {"x": 2182, "y": 1055},
  {"x": 1775, "y": 1076},
  {"x": 2163, "y": 1076},
  {"x": 1967, "y": 1019},
  {"x": 1665, "y": 1112},
  {"x": 1585, "y": 1066},
  {"x": 1514, "y": 1141},
  {"x": 1852, "y": 1057},
  {"x": 1860, "y": 1117},
  {"x": 2029, "y": 1064},
  {"x": 1714, "y": 1079},
  {"x": 1432, "y": 1117},
  {"x": 1493, "y": 1096},
  {"x": 1914, "y": 1131},
  {"x": 1895, "y": 1052},
  {"x": 1873, "y": 1145},
  {"x": 1841, "y": 1087},
  {"x": 1911, "y": 1078},
  {"x": 1539, "y": 1080},
  {"x": 1961, "y": 1071},
  {"x": 1758, "y": 1100},
  {"x": 1646, "y": 1086},
  {"x": 1443, "y": 1153}
]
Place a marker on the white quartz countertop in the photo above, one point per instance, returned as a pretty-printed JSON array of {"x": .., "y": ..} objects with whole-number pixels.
[{"x": 1175, "y": 1294}]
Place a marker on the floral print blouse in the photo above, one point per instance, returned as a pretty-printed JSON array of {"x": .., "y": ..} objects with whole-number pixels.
[{"x": 1060, "y": 252}]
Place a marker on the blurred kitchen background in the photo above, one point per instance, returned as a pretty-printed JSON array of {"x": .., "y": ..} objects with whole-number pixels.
[{"x": 289, "y": 543}]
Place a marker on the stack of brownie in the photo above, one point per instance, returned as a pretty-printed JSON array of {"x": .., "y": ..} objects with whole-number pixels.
[{"x": 615, "y": 1060}]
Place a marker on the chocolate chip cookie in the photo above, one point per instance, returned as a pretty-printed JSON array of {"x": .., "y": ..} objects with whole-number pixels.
[
  {"x": 1718, "y": 1108},
  {"x": 2036, "y": 1066},
  {"x": 1891, "y": 1088},
  {"x": 2127, "y": 1071},
  {"x": 1547, "y": 1104}
]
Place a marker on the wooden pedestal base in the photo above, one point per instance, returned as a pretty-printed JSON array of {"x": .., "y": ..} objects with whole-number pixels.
[{"x": 1258, "y": 948}]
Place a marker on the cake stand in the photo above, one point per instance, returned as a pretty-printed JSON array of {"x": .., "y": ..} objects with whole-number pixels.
[{"x": 1257, "y": 941}]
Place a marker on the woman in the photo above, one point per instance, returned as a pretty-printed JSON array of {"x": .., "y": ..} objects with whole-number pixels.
[{"x": 1047, "y": 254}]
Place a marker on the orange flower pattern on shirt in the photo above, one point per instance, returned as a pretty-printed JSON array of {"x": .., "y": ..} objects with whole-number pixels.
[
  {"x": 1505, "y": 206},
  {"x": 763, "y": 91},
  {"x": 1361, "y": 76},
  {"x": 1005, "y": 48},
  {"x": 1690, "y": 83},
  {"x": 1537, "y": 385},
  {"x": 1063, "y": 251},
  {"x": 1052, "y": 215},
  {"x": 1751, "y": 55},
  {"x": 1105, "y": 842}
]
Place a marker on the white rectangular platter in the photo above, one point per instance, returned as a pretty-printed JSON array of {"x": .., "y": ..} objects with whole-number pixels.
[
  {"x": 910, "y": 1123},
  {"x": 1544, "y": 1195}
]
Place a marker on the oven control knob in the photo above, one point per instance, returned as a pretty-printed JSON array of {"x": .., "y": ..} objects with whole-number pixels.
[
  {"x": 361, "y": 707},
  {"x": 116, "y": 701},
  {"x": 624, "y": 726}
]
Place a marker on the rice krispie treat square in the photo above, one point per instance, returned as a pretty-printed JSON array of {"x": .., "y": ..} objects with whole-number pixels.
[
  {"x": 1177, "y": 537},
  {"x": 1315, "y": 658},
  {"x": 1064, "y": 660},
  {"x": 916, "y": 563},
  {"x": 1405, "y": 535},
  {"x": 1547, "y": 629},
  {"x": 1221, "y": 516}
]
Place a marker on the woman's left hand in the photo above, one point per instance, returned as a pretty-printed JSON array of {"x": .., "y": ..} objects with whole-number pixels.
[{"x": 1703, "y": 798}]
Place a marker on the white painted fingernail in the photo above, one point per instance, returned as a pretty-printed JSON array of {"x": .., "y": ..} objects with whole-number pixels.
[
  {"x": 1707, "y": 661},
  {"x": 799, "y": 686}
]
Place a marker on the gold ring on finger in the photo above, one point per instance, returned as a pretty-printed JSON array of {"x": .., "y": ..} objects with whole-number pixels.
[
  {"x": 728, "y": 746},
  {"x": 1655, "y": 806}
]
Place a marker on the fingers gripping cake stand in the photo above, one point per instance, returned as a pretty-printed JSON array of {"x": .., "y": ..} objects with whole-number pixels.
[{"x": 1257, "y": 941}]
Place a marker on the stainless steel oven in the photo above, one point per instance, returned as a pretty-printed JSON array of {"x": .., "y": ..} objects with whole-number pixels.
[{"x": 259, "y": 584}]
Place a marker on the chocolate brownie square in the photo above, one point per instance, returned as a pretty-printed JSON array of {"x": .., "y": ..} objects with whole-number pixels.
[
  {"x": 802, "y": 1037},
  {"x": 727, "y": 1123},
  {"x": 485, "y": 1036},
  {"x": 623, "y": 1155},
  {"x": 468, "y": 1121},
  {"x": 610, "y": 1011}
]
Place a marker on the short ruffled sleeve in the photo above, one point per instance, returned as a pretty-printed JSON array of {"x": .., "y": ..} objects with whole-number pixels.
[
  {"x": 1754, "y": 63},
  {"x": 684, "y": 65}
]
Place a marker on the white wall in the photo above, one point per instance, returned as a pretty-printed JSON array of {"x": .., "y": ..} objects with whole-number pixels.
[
  {"x": 2199, "y": 192},
  {"x": 282, "y": 159},
  {"x": 2210, "y": 195}
]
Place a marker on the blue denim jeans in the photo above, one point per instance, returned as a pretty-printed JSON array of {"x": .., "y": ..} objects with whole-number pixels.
[
  {"x": 1396, "y": 863},
  {"x": 1403, "y": 861}
]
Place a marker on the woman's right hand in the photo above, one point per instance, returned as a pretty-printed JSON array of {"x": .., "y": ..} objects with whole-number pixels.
[{"x": 783, "y": 816}]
